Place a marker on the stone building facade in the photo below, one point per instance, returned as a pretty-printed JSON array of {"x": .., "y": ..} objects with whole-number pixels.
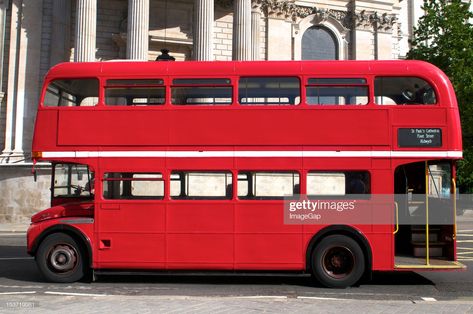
[{"x": 37, "y": 34}]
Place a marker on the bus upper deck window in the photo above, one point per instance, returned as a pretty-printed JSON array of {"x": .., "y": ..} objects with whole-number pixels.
[
  {"x": 269, "y": 91},
  {"x": 71, "y": 93},
  {"x": 201, "y": 91},
  {"x": 134, "y": 92},
  {"x": 337, "y": 91},
  {"x": 403, "y": 91}
]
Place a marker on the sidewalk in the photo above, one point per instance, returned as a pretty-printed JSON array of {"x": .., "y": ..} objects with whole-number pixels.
[
  {"x": 97, "y": 303},
  {"x": 13, "y": 227}
]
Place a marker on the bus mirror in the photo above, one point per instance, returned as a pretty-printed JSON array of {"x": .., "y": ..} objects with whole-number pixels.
[{"x": 33, "y": 171}]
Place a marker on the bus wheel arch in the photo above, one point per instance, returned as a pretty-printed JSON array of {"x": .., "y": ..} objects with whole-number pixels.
[
  {"x": 66, "y": 241},
  {"x": 351, "y": 238}
]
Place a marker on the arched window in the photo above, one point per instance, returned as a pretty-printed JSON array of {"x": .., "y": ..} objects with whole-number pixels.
[{"x": 319, "y": 43}]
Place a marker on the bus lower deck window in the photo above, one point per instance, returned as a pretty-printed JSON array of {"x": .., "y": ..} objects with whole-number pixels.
[
  {"x": 201, "y": 185},
  {"x": 128, "y": 185},
  {"x": 320, "y": 183},
  {"x": 267, "y": 184}
]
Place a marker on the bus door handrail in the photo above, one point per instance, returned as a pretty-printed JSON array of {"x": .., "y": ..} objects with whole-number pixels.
[
  {"x": 397, "y": 217},
  {"x": 427, "y": 244},
  {"x": 454, "y": 186}
]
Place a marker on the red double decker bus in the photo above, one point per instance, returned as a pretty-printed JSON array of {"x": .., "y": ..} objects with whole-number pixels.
[{"x": 191, "y": 166}]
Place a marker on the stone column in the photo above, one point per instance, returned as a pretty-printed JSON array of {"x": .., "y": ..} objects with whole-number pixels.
[
  {"x": 242, "y": 30},
  {"x": 85, "y": 32},
  {"x": 138, "y": 28},
  {"x": 60, "y": 32},
  {"x": 3, "y": 20},
  {"x": 23, "y": 76},
  {"x": 255, "y": 31},
  {"x": 203, "y": 30},
  {"x": 10, "y": 104}
]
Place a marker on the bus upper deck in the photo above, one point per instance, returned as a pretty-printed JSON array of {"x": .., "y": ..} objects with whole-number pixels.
[{"x": 321, "y": 105}]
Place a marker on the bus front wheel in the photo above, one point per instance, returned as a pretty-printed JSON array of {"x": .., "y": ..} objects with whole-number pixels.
[
  {"x": 60, "y": 258},
  {"x": 337, "y": 261}
]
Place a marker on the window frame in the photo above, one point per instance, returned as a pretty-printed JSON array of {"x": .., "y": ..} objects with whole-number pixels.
[
  {"x": 206, "y": 82},
  {"x": 50, "y": 81},
  {"x": 362, "y": 196},
  {"x": 268, "y": 198},
  {"x": 364, "y": 82},
  {"x": 269, "y": 104},
  {"x": 184, "y": 185},
  {"x": 160, "y": 85},
  {"x": 426, "y": 80},
  {"x": 132, "y": 197}
]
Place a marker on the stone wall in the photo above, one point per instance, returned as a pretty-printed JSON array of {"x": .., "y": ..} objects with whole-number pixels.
[
  {"x": 223, "y": 32},
  {"x": 110, "y": 15},
  {"x": 20, "y": 196}
]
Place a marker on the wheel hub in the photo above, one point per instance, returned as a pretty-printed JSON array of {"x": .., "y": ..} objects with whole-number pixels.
[
  {"x": 338, "y": 262},
  {"x": 62, "y": 258}
]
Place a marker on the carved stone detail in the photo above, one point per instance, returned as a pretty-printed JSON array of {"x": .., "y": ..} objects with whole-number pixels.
[
  {"x": 372, "y": 20},
  {"x": 287, "y": 9},
  {"x": 369, "y": 20}
]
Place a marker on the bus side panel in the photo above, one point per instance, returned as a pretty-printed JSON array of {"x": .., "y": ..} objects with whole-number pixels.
[
  {"x": 131, "y": 234},
  {"x": 262, "y": 240},
  {"x": 113, "y": 127},
  {"x": 382, "y": 247},
  {"x": 45, "y": 130},
  {"x": 199, "y": 234},
  {"x": 224, "y": 127}
]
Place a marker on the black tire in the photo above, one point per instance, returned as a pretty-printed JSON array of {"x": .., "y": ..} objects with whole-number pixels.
[
  {"x": 337, "y": 262},
  {"x": 60, "y": 258}
]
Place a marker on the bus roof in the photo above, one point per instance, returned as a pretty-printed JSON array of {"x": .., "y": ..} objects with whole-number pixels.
[{"x": 213, "y": 68}]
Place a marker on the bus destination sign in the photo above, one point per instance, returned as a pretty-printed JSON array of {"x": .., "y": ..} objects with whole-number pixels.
[{"x": 419, "y": 137}]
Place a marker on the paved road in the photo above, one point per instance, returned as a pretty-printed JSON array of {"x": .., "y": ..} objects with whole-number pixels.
[{"x": 21, "y": 287}]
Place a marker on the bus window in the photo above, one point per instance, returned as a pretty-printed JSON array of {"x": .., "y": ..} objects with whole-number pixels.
[
  {"x": 337, "y": 91},
  {"x": 321, "y": 183},
  {"x": 269, "y": 91},
  {"x": 403, "y": 91},
  {"x": 440, "y": 180},
  {"x": 201, "y": 185},
  {"x": 267, "y": 185},
  {"x": 127, "y": 185},
  {"x": 201, "y": 92},
  {"x": 72, "y": 181},
  {"x": 140, "y": 92},
  {"x": 72, "y": 92}
]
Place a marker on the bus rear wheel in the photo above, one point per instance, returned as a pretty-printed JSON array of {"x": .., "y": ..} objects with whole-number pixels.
[
  {"x": 60, "y": 258},
  {"x": 338, "y": 261}
]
